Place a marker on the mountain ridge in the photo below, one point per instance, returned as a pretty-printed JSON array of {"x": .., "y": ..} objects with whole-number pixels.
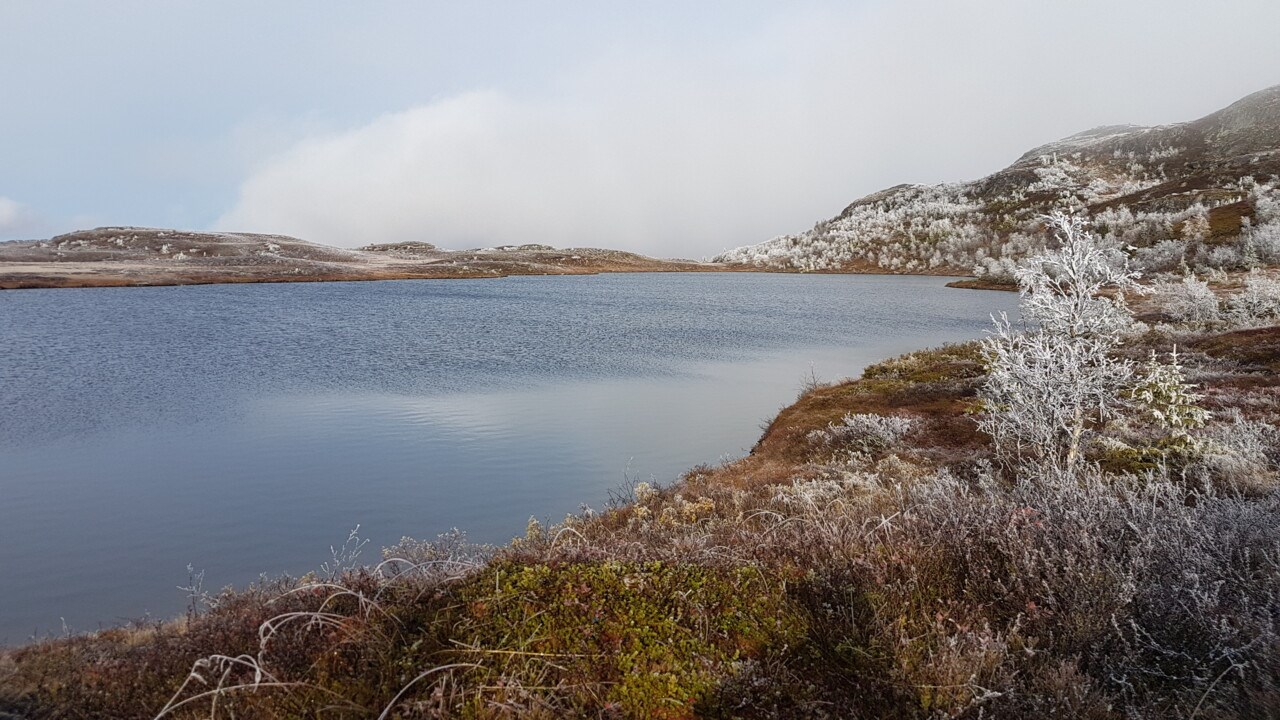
[{"x": 1210, "y": 186}]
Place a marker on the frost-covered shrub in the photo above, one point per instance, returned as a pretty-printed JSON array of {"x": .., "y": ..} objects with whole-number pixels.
[
  {"x": 1187, "y": 301},
  {"x": 1216, "y": 275},
  {"x": 1222, "y": 257},
  {"x": 1239, "y": 453},
  {"x": 1250, "y": 440},
  {"x": 1100, "y": 598},
  {"x": 1266, "y": 204},
  {"x": 1140, "y": 229},
  {"x": 449, "y": 555},
  {"x": 1048, "y": 385},
  {"x": 1263, "y": 243},
  {"x": 865, "y": 432},
  {"x": 1164, "y": 256},
  {"x": 1258, "y": 300},
  {"x": 1001, "y": 270},
  {"x": 1196, "y": 227}
]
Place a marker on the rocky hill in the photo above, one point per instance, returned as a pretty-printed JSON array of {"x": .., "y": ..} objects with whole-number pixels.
[
  {"x": 113, "y": 256},
  {"x": 1205, "y": 193}
]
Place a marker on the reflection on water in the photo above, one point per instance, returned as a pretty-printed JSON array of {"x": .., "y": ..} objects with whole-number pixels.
[{"x": 244, "y": 429}]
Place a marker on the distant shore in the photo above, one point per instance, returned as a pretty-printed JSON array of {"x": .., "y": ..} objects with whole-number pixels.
[
  {"x": 127, "y": 257},
  {"x": 150, "y": 257},
  {"x": 22, "y": 276}
]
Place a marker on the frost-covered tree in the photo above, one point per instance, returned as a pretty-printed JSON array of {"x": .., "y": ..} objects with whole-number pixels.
[
  {"x": 1063, "y": 287},
  {"x": 1196, "y": 227},
  {"x": 1049, "y": 384},
  {"x": 1164, "y": 396}
]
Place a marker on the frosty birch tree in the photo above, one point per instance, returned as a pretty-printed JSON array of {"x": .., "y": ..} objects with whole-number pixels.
[{"x": 1049, "y": 384}]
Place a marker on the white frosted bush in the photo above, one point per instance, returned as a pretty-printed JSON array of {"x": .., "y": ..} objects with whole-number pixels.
[
  {"x": 1258, "y": 300},
  {"x": 1188, "y": 301},
  {"x": 1196, "y": 226},
  {"x": 1249, "y": 440},
  {"x": 1266, "y": 206},
  {"x": 866, "y": 432},
  {"x": 1263, "y": 242},
  {"x": 1225, "y": 257},
  {"x": 1163, "y": 256},
  {"x": 1240, "y": 452},
  {"x": 996, "y": 269}
]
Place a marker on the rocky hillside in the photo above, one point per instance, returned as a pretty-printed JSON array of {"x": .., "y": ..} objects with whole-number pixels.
[
  {"x": 113, "y": 256},
  {"x": 1205, "y": 193}
]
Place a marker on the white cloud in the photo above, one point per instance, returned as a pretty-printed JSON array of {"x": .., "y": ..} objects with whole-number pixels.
[
  {"x": 17, "y": 221},
  {"x": 9, "y": 212},
  {"x": 684, "y": 151},
  {"x": 484, "y": 168}
]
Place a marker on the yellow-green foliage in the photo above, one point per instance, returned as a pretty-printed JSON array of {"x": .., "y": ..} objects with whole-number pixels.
[
  {"x": 950, "y": 362},
  {"x": 647, "y": 639},
  {"x": 1119, "y": 458},
  {"x": 1166, "y": 399}
]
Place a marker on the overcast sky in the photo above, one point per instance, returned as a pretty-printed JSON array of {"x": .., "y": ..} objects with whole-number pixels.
[{"x": 673, "y": 128}]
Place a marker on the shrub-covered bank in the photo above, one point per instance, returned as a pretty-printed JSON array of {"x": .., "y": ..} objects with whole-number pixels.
[{"x": 876, "y": 555}]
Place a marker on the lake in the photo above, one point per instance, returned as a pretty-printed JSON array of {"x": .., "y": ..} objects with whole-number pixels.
[{"x": 244, "y": 429}]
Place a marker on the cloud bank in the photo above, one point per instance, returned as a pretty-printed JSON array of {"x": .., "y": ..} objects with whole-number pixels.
[
  {"x": 688, "y": 150},
  {"x": 17, "y": 220}
]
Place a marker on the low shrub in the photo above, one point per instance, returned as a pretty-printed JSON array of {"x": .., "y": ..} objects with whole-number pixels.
[
  {"x": 1258, "y": 301},
  {"x": 1188, "y": 301},
  {"x": 864, "y": 432}
]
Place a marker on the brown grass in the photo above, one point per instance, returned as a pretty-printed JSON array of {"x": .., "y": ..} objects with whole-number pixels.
[{"x": 1256, "y": 349}]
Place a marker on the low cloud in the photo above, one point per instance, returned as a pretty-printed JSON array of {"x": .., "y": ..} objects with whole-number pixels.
[
  {"x": 17, "y": 221},
  {"x": 685, "y": 152},
  {"x": 9, "y": 212},
  {"x": 485, "y": 168}
]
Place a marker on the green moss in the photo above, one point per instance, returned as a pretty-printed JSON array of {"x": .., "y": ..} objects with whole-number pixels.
[
  {"x": 1170, "y": 453},
  {"x": 647, "y": 639},
  {"x": 950, "y": 362}
]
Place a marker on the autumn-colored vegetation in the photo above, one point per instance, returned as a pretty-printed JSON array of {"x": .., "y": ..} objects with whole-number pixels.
[{"x": 1078, "y": 518}]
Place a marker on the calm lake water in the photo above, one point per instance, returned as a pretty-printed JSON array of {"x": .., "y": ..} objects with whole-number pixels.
[{"x": 243, "y": 429}]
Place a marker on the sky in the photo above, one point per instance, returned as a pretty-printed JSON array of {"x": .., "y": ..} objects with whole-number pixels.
[{"x": 677, "y": 129}]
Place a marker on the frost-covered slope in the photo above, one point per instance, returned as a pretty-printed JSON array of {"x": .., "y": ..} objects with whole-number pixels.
[
  {"x": 112, "y": 256},
  {"x": 138, "y": 244},
  {"x": 1205, "y": 193}
]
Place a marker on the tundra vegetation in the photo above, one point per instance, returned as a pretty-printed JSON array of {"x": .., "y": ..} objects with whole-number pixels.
[{"x": 1078, "y": 517}]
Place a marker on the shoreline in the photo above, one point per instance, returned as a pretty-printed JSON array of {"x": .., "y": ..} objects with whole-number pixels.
[
  {"x": 12, "y": 278},
  {"x": 91, "y": 279}
]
